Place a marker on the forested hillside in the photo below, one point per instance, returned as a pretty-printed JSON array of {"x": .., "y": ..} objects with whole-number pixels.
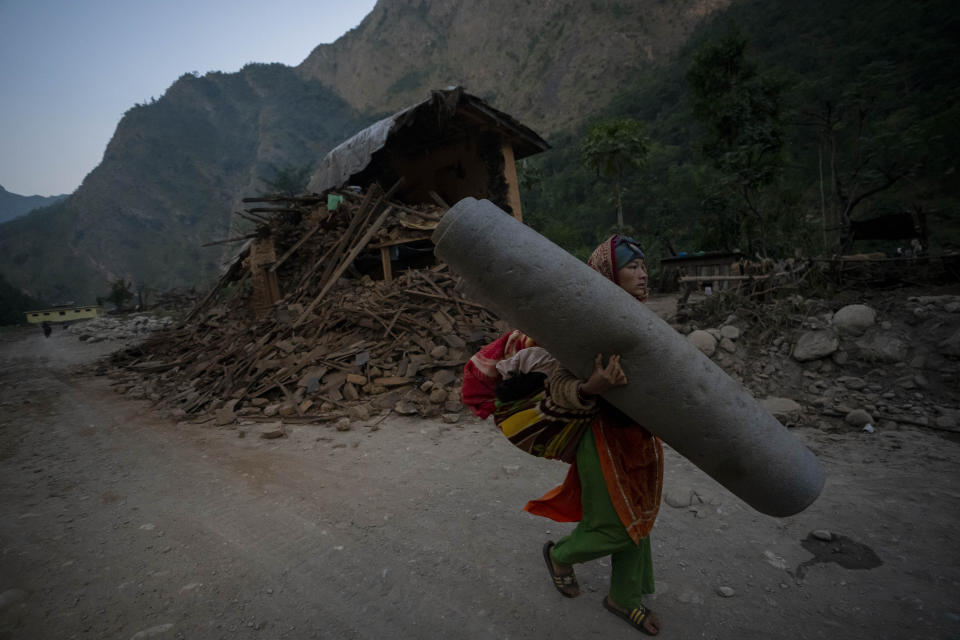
[
  {"x": 13, "y": 205},
  {"x": 776, "y": 119},
  {"x": 169, "y": 181},
  {"x": 763, "y": 125}
]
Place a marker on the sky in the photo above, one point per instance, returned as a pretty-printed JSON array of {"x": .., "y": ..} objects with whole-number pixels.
[{"x": 69, "y": 69}]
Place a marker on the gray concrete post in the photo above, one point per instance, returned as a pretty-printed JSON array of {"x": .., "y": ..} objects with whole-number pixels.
[{"x": 674, "y": 390}]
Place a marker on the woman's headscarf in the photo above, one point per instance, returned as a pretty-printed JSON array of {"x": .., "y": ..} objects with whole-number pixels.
[{"x": 604, "y": 258}]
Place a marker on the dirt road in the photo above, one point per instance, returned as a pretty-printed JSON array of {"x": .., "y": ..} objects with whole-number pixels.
[{"x": 120, "y": 523}]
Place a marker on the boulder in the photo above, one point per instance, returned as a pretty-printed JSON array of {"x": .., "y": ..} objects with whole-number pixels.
[
  {"x": 858, "y": 418},
  {"x": 854, "y": 319},
  {"x": 704, "y": 341},
  {"x": 814, "y": 345},
  {"x": 730, "y": 331},
  {"x": 780, "y": 407}
]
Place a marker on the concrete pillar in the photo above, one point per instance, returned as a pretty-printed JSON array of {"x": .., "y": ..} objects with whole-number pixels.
[{"x": 674, "y": 390}]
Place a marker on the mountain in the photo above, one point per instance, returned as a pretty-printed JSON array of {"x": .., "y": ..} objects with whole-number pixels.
[
  {"x": 175, "y": 168},
  {"x": 13, "y": 205},
  {"x": 169, "y": 181},
  {"x": 551, "y": 64}
]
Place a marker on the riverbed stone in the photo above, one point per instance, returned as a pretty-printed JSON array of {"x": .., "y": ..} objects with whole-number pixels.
[
  {"x": 858, "y": 418},
  {"x": 854, "y": 319},
  {"x": 704, "y": 341},
  {"x": 813, "y": 345}
]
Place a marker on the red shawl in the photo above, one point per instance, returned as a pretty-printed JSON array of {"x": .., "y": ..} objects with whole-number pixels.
[{"x": 630, "y": 456}]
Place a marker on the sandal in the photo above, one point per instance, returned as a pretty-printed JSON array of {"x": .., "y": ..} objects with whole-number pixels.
[
  {"x": 564, "y": 583},
  {"x": 635, "y": 617}
]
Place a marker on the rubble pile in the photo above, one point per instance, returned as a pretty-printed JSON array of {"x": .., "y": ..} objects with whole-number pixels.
[
  {"x": 864, "y": 359},
  {"x": 337, "y": 344},
  {"x": 126, "y": 327}
]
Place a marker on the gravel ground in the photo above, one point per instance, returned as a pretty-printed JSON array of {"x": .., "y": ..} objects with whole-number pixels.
[{"x": 120, "y": 523}]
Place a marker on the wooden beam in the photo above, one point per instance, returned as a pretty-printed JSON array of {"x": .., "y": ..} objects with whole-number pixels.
[
  {"x": 347, "y": 261},
  {"x": 385, "y": 262},
  {"x": 513, "y": 184}
]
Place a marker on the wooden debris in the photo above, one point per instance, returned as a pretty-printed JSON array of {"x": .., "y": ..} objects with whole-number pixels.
[{"x": 334, "y": 341}]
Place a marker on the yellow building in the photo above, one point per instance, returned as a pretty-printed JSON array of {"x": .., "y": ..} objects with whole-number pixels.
[{"x": 63, "y": 314}]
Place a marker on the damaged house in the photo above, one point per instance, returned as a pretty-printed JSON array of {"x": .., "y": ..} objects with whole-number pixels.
[{"x": 347, "y": 306}]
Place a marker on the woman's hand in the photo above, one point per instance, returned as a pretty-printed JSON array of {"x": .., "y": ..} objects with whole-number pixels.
[{"x": 604, "y": 378}]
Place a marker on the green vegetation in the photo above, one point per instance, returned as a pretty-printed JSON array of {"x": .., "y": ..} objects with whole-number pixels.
[
  {"x": 776, "y": 126},
  {"x": 612, "y": 146},
  {"x": 13, "y": 303},
  {"x": 120, "y": 294},
  {"x": 288, "y": 180}
]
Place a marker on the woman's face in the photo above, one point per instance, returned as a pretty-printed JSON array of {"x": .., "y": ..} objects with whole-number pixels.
[{"x": 633, "y": 278}]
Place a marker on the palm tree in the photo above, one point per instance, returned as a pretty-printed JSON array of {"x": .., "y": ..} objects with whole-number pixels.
[{"x": 611, "y": 146}]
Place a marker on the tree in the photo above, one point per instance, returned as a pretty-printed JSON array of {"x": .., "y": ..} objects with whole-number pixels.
[
  {"x": 288, "y": 180},
  {"x": 741, "y": 111},
  {"x": 120, "y": 293},
  {"x": 859, "y": 155},
  {"x": 610, "y": 147}
]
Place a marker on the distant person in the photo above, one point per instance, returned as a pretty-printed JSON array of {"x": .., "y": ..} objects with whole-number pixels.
[{"x": 47, "y": 329}]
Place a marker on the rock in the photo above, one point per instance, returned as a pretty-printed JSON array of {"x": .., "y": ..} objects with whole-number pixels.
[
  {"x": 822, "y": 534},
  {"x": 405, "y": 408},
  {"x": 272, "y": 431},
  {"x": 854, "y": 319},
  {"x": 438, "y": 395},
  {"x": 727, "y": 345},
  {"x": 679, "y": 498},
  {"x": 259, "y": 402},
  {"x": 814, "y": 345},
  {"x": 840, "y": 357},
  {"x": 883, "y": 347},
  {"x": 439, "y": 352},
  {"x": 853, "y": 383},
  {"x": 359, "y": 412},
  {"x": 288, "y": 410},
  {"x": 774, "y": 560},
  {"x": 450, "y": 418},
  {"x": 869, "y": 428},
  {"x": 906, "y": 382},
  {"x": 726, "y": 592},
  {"x": 426, "y": 386},
  {"x": 443, "y": 377},
  {"x": 704, "y": 341},
  {"x": 780, "y": 407},
  {"x": 343, "y": 424},
  {"x": 271, "y": 410},
  {"x": 453, "y": 404},
  {"x": 858, "y": 418},
  {"x": 730, "y": 331},
  {"x": 225, "y": 417}
]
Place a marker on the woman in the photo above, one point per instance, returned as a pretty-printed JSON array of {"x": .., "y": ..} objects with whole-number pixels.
[{"x": 613, "y": 486}]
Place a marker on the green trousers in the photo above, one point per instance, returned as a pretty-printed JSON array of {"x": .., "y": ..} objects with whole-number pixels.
[{"x": 600, "y": 533}]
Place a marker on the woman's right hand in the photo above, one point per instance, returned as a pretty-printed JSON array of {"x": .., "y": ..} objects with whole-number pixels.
[{"x": 604, "y": 378}]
